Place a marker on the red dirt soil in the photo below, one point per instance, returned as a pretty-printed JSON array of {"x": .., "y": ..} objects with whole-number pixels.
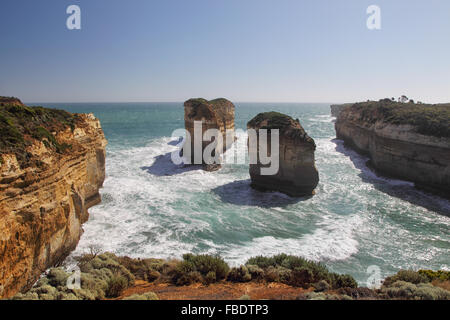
[{"x": 217, "y": 291}]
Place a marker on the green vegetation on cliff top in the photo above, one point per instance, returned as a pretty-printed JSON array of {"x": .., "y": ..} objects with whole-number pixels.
[
  {"x": 428, "y": 119},
  {"x": 286, "y": 124},
  {"x": 106, "y": 275},
  {"x": 20, "y": 125}
]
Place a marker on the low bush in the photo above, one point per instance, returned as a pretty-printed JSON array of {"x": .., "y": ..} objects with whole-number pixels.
[
  {"x": 407, "y": 290},
  {"x": 240, "y": 274},
  {"x": 144, "y": 296},
  {"x": 255, "y": 272},
  {"x": 116, "y": 285},
  {"x": 440, "y": 275},
  {"x": 209, "y": 268},
  {"x": 407, "y": 276},
  {"x": 297, "y": 271}
]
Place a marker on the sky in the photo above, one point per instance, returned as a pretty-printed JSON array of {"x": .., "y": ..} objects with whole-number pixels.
[{"x": 243, "y": 50}]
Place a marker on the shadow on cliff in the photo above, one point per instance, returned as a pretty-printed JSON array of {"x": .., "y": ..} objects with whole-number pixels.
[
  {"x": 242, "y": 194},
  {"x": 401, "y": 189}
]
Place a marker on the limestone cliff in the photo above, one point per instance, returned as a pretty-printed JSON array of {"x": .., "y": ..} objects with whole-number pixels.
[
  {"x": 406, "y": 141},
  {"x": 297, "y": 174},
  {"x": 52, "y": 166},
  {"x": 336, "y": 108},
  {"x": 214, "y": 114}
]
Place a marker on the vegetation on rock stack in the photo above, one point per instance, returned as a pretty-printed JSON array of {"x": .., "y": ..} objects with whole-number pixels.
[
  {"x": 21, "y": 125},
  {"x": 275, "y": 120},
  {"x": 427, "y": 119}
]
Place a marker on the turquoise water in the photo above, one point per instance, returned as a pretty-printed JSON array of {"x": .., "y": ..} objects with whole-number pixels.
[{"x": 152, "y": 208}]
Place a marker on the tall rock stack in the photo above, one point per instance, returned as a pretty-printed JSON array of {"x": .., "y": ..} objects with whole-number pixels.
[
  {"x": 214, "y": 114},
  {"x": 297, "y": 174}
]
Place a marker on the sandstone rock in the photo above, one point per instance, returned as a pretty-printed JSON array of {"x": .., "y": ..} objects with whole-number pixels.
[
  {"x": 214, "y": 114},
  {"x": 297, "y": 174},
  {"x": 44, "y": 197},
  {"x": 390, "y": 135}
]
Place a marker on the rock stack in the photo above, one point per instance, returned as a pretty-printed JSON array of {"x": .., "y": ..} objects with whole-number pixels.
[
  {"x": 297, "y": 174},
  {"x": 214, "y": 114}
]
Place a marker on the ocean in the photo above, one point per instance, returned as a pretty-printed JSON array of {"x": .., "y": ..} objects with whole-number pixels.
[{"x": 153, "y": 208}]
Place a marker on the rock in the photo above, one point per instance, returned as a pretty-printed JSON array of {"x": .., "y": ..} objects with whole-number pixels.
[
  {"x": 297, "y": 174},
  {"x": 44, "y": 197},
  {"x": 337, "y": 108},
  {"x": 214, "y": 114},
  {"x": 10, "y": 101},
  {"x": 405, "y": 141}
]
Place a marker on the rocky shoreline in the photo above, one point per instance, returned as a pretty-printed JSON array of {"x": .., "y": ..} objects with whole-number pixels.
[{"x": 403, "y": 140}]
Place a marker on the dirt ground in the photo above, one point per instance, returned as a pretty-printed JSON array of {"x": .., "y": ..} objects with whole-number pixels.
[{"x": 217, "y": 291}]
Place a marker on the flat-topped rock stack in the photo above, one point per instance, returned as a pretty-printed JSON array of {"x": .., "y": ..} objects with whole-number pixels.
[
  {"x": 213, "y": 114},
  {"x": 297, "y": 174}
]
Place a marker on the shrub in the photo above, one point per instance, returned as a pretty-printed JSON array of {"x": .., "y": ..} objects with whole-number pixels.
[
  {"x": 116, "y": 285},
  {"x": 143, "y": 269},
  {"x": 240, "y": 274},
  {"x": 57, "y": 277},
  {"x": 206, "y": 263},
  {"x": 322, "y": 285},
  {"x": 255, "y": 272},
  {"x": 422, "y": 291},
  {"x": 431, "y": 275},
  {"x": 343, "y": 281},
  {"x": 297, "y": 271},
  {"x": 358, "y": 293},
  {"x": 407, "y": 276},
  {"x": 144, "y": 296},
  {"x": 271, "y": 274},
  {"x": 210, "y": 277},
  {"x": 245, "y": 297},
  {"x": 199, "y": 266}
]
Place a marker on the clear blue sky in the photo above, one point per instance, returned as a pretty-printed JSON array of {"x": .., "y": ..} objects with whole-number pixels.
[{"x": 244, "y": 50}]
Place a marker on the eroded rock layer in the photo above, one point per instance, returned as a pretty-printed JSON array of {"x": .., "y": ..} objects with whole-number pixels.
[
  {"x": 297, "y": 174},
  {"x": 50, "y": 174},
  {"x": 213, "y": 114},
  {"x": 406, "y": 141}
]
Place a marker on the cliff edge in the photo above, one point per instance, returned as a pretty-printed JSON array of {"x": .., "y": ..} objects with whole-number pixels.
[
  {"x": 404, "y": 140},
  {"x": 52, "y": 164}
]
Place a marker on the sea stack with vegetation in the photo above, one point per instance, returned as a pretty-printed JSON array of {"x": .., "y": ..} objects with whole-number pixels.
[
  {"x": 213, "y": 114},
  {"x": 405, "y": 140},
  {"x": 52, "y": 164},
  {"x": 297, "y": 174}
]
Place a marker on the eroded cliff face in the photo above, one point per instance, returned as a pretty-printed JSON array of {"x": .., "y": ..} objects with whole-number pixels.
[
  {"x": 214, "y": 114},
  {"x": 44, "y": 196},
  {"x": 398, "y": 150},
  {"x": 297, "y": 174}
]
